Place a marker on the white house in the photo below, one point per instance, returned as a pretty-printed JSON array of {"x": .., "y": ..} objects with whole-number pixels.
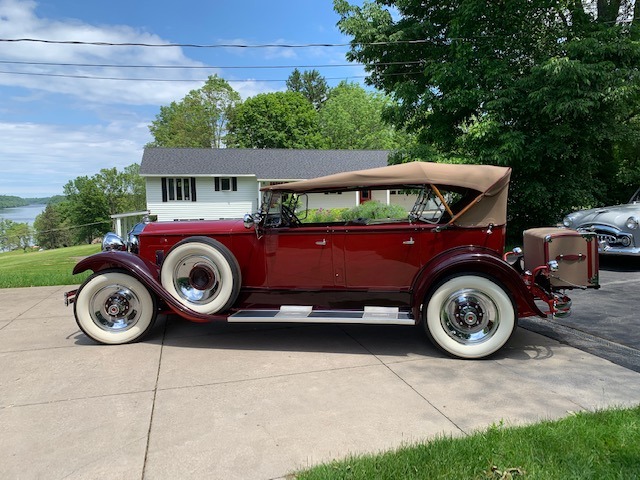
[{"x": 210, "y": 184}]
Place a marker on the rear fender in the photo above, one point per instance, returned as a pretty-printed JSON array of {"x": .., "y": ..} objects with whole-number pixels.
[
  {"x": 145, "y": 271},
  {"x": 471, "y": 259}
]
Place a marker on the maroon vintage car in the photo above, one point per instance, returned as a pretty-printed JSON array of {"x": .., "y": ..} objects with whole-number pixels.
[{"x": 443, "y": 266}]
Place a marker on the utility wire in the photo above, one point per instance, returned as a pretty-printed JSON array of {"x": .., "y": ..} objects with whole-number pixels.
[
  {"x": 91, "y": 77},
  {"x": 131, "y": 79},
  {"x": 203, "y": 67},
  {"x": 216, "y": 45}
]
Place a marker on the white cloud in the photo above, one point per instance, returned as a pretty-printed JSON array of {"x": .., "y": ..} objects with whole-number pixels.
[
  {"x": 18, "y": 19},
  {"x": 38, "y": 159}
]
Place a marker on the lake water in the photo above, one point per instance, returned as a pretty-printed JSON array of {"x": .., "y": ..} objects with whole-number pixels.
[{"x": 22, "y": 214}]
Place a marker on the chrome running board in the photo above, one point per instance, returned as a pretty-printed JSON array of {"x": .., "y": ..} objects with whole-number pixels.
[{"x": 306, "y": 314}]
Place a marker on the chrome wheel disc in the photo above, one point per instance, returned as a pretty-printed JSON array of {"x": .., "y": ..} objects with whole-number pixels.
[
  {"x": 469, "y": 316},
  {"x": 196, "y": 279},
  {"x": 115, "y": 308}
]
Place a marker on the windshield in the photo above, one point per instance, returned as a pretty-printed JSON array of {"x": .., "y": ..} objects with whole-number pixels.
[
  {"x": 280, "y": 209},
  {"x": 636, "y": 197},
  {"x": 435, "y": 206},
  {"x": 428, "y": 207}
]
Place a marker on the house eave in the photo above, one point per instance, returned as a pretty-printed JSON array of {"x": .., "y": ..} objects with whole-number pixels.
[{"x": 197, "y": 175}]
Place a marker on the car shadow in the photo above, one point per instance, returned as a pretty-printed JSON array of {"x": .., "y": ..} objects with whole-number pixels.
[{"x": 379, "y": 340}]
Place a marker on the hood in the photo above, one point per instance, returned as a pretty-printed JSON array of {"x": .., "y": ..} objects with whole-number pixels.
[
  {"x": 196, "y": 227},
  {"x": 615, "y": 216}
]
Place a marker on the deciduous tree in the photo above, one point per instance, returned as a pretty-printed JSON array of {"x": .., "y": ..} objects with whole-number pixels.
[
  {"x": 351, "y": 118},
  {"x": 550, "y": 88},
  {"x": 275, "y": 120},
  {"x": 91, "y": 200},
  {"x": 52, "y": 228},
  {"x": 199, "y": 120},
  {"x": 14, "y": 235}
]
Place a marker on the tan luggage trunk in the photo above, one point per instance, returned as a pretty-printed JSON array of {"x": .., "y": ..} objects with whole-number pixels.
[{"x": 576, "y": 254}]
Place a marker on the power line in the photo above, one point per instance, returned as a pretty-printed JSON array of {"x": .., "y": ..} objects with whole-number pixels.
[
  {"x": 203, "y": 67},
  {"x": 133, "y": 79},
  {"x": 138, "y": 79},
  {"x": 215, "y": 45}
]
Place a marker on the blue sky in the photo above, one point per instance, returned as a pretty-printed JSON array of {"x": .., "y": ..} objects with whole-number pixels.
[{"x": 54, "y": 129}]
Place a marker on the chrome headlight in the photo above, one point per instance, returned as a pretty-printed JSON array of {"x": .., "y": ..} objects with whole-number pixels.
[
  {"x": 632, "y": 223},
  {"x": 568, "y": 221},
  {"x": 111, "y": 241}
]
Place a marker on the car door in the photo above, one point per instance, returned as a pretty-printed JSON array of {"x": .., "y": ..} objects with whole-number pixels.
[
  {"x": 299, "y": 257},
  {"x": 385, "y": 256}
]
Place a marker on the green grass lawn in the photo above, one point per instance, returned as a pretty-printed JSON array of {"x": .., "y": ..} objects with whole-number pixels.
[
  {"x": 38, "y": 269},
  {"x": 599, "y": 446}
]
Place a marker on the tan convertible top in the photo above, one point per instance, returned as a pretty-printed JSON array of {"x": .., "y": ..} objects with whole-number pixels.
[
  {"x": 489, "y": 207},
  {"x": 477, "y": 177}
]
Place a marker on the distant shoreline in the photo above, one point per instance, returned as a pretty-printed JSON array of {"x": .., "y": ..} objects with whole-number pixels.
[
  {"x": 23, "y": 213},
  {"x": 11, "y": 201}
]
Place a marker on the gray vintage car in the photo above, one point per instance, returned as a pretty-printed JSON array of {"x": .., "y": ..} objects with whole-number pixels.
[{"x": 617, "y": 227}]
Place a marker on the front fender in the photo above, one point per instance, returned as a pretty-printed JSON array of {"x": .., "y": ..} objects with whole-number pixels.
[
  {"x": 148, "y": 273},
  {"x": 140, "y": 268},
  {"x": 474, "y": 260}
]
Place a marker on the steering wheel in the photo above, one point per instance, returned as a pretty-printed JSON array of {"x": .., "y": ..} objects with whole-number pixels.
[{"x": 292, "y": 219}]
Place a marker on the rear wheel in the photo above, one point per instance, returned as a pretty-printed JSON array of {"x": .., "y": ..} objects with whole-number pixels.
[
  {"x": 112, "y": 307},
  {"x": 470, "y": 316},
  {"x": 202, "y": 274}
]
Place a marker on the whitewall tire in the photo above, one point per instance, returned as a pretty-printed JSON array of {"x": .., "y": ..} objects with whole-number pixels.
[
  {"x": 470, "y": 316},
  {"x": 112, "y": 307},
  {"x": 202, "y": 274}
]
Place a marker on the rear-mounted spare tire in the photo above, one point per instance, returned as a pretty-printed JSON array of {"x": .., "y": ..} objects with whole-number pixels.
[{"x": 202, "y": 274}]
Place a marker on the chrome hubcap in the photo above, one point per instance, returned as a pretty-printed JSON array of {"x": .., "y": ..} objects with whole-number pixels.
[
  {"x": 196, "y": 279},
  {"x": 469, "y": 316},
  {"x": 115, "y": 307}
]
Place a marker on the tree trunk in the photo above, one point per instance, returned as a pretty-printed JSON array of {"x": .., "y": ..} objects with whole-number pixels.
[{"x": 608, "y": 10}]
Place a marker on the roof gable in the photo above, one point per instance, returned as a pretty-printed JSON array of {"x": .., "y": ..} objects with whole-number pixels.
[{"x": 285, "y": 164}]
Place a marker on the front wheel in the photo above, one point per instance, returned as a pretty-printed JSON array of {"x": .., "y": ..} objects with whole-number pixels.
[
  {"x": 469, "y": 316},
  {"x": 112, "y": 307}
]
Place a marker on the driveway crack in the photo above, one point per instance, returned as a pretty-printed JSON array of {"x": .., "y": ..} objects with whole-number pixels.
[
  {"x": 153, "y": 402},
  {"x": 406, "y": 383}
]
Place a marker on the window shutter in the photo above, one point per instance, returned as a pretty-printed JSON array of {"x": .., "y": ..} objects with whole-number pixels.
[
  {"x": 217, "y": 183},
  {"x": 193, "y": 189},
  {"x": 164, "y": 189},
  {"x": 234, "y": 184}
]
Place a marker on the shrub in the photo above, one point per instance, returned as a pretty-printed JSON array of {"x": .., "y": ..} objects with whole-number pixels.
[
  {"x": 373, "y": 210},
  {"x": 324, "y": 215}
]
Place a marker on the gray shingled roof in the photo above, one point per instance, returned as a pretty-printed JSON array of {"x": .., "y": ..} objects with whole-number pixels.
[{"x": 264, "y": 164}]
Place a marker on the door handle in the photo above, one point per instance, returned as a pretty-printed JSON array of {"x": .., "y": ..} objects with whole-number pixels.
[
  {"x": 409, "y": 242},
  {"x": 322, "y": 242}
]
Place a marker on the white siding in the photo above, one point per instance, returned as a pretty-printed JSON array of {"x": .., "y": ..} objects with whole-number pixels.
[
  {"x": 348, "y": 200},
  {"x": 406, "y": 201},
  {"x": 210, "y": 205},
  {"x": 332, "y": 200}
]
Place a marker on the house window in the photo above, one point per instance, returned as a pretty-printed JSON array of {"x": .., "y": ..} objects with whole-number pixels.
[
  {"x": 178, "y": 189},
  {"x": 226, "y": 184}
]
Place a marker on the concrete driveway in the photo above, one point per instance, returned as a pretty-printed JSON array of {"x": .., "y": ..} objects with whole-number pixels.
[
  {"x": 236, "y": 401},
  {"x": 606, "y": 321}
]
